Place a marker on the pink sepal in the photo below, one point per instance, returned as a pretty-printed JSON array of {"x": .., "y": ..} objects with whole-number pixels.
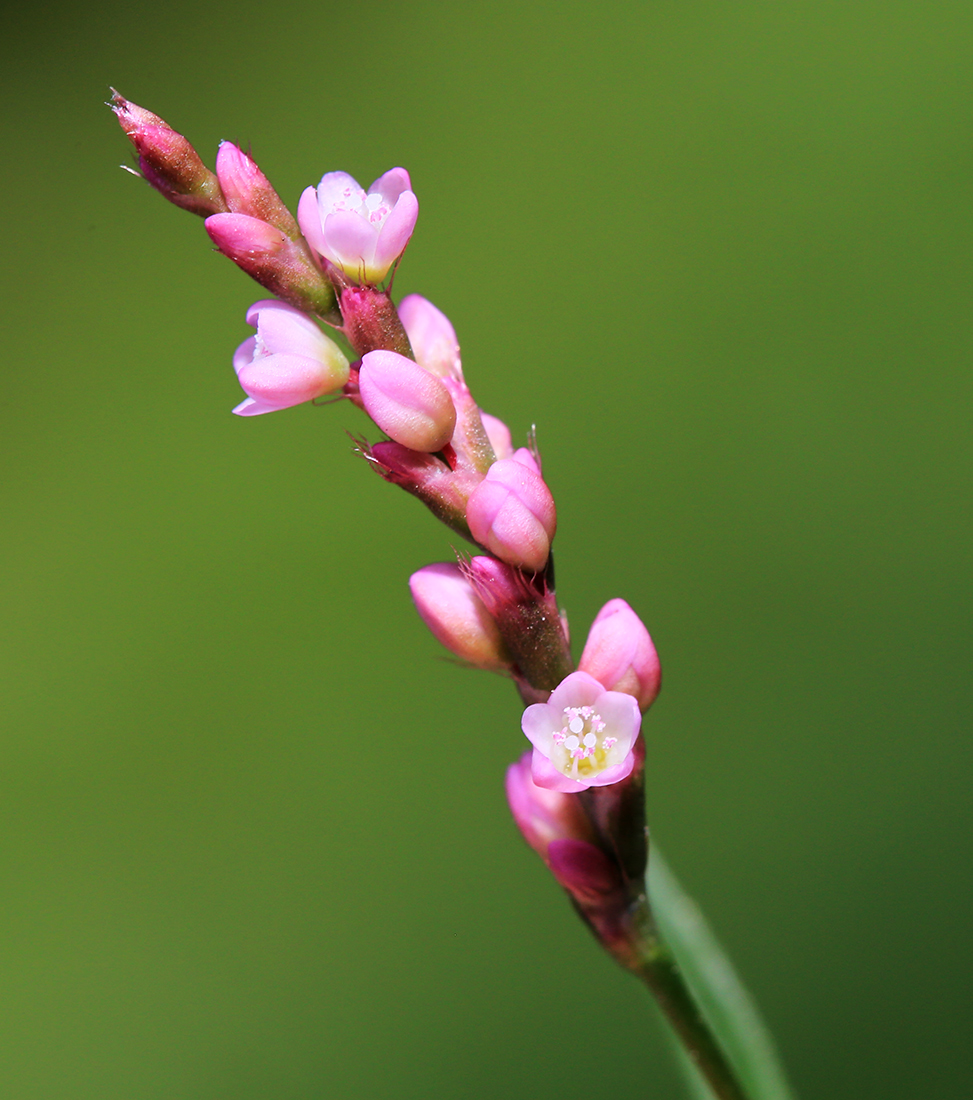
[
  {"x": 526, "y": 458},
  {"x": 546, "y": 775},
  {"x": 499, "y": 435},
  {"x": 431, "y": 335},
  {"x": 309, "y": 220}
]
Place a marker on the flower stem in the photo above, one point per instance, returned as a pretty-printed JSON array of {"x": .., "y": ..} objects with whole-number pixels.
[
  {"x": 654, "y": 963},
  {"x": 723, "y": 999}
]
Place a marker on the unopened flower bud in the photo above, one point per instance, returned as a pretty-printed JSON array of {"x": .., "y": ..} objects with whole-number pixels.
[
  {"x": 267, "y": 254},
  {"x": 455, "y": 614},
  {"x": 248, "y": 191},
  {"x": 432, "y": 336},
  {"x": 511, "y": 512},
  {"x": 543, "y": 815},
  {"x": 167, "y": 161},
  {"x": 408, "y": 403},
  {"x": 361, "y": 233},
  {"x": 499, "y": 435},
  {"x": 620, "y": 655},
  {"x": 289, "y": 361},
  {"x": 555, "y": 825}
]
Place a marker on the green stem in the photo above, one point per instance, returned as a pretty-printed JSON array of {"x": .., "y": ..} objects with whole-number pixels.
[
  {"x": 655, "y": 964},
  {"x": 707, "y": 973}
]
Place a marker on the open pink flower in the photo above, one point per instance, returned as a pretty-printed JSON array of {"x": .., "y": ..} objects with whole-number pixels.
[
  {"x": 582, "y": 736},
  {"x": 361, "y": 232},
  {"x": 289, "y": 361}
]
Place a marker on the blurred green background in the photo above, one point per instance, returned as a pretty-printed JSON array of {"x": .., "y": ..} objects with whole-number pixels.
[{"x": 254, "y": 844}]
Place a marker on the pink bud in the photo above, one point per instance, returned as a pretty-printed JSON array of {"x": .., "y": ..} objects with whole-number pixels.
[
  {"x": 455, "y": 614},
  {"x": 511, "y": 512},
  {"x": 432, "y": 336},
  {"x": 167, "y": 160},
  {"x": 619, "y": 654},
  {"x": 543, "y": 815},
  {"x": 583, "y": 870},
  {"x": 248, "y": 191},
  {"x": 408, "y": 403},
  {"x": 267, "y": 254},
  {"x": 289, "y": 361},
  {"x": 361, "y": 233},
  {"x": 499, "y": 435}
]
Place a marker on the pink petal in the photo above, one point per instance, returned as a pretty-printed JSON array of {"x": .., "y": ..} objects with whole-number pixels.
[
  {"x": 243, "y": 356},
  {"x": 250, "y": 407},
  {"x": 391, "y": 185},
  {"x": 622, "y": 716},
  {"x": 309, "y": 219},
  {"x": 546, "y": 775},
  {"x": 615, "y": 774},
  {"x": 332, "y": 188},
  {"x": 349, "y": 241},
  {"x": 284, "y": 330},
  {"x": 396, "y": 231},
  {"x": 539, "y": 723},
  {"x": 577, "y": 690}
]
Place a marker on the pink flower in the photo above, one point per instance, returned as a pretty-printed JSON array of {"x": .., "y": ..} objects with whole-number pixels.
[
  {"x": 452, "y": 610},
  {"x": 408, "y": 403},
  {"x": 620, "y": 655},
  {"x": 289, "y": 361},
  {"x": 583, "y": 736},
  {"x": 511, "y": 512},
  {"x": 361, "y": 233},
  {"x": 431, "y": 335}
]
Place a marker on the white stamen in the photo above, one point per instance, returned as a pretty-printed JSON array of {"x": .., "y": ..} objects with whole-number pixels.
[
  {"x": 572, "y": 743},
  {"x": 577, "y": 725}
]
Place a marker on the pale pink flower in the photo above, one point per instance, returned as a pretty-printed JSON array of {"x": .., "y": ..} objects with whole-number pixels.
[
  {"x": 620, "y": 655},
  {"x": 363, "y": 233},
  {"x": 289, "y": 361},
  {"x": 408, "y": 403},
  {"x": 450, "y": 607},
  {"x": 583, "y": 736},
  {"x": 511, "y": 512},
  {"x": 431, "y": 335}
]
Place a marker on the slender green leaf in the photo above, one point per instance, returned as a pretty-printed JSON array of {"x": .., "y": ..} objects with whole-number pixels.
[{"x": 725, "y": 1003}]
